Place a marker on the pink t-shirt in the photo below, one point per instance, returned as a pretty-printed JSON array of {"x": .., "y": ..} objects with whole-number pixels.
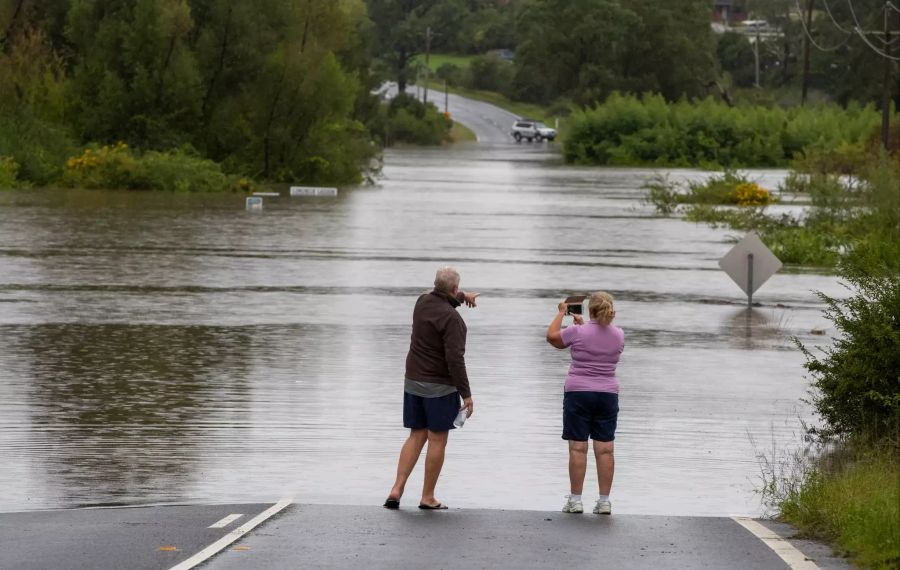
[{"x": 595, "y": 353}]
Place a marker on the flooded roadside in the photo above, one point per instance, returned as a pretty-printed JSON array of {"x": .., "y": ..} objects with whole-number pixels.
[{"x": 159, "y": 347}]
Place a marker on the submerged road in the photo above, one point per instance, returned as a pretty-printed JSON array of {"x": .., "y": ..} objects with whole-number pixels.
[{"x": 331, "y": 536}]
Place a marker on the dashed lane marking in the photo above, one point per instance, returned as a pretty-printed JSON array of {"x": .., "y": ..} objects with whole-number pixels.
[
  {"x": 232, "y": 536},
  {"x": 226, "y": 521}
]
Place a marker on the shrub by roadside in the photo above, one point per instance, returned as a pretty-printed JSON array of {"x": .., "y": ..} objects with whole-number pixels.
[
  {"x": 118, "y": 166},
  {"x": 407, "y": 120},
  {"x": 851, "y": 494},
  {"x": 847, "y": 213}
]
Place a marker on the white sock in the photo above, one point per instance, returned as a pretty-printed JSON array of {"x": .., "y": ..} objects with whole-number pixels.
[
  {"x": 603, "y": 498},
  {"x": 574, "y": 498}
]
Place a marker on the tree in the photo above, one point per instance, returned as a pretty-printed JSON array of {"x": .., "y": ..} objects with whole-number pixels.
[
  {"x": 399, "y": 33},
  {"x": 572, "y": 48}
]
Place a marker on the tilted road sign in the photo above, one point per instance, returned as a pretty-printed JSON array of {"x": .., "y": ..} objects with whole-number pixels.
[{"x": 750, "y": 264}]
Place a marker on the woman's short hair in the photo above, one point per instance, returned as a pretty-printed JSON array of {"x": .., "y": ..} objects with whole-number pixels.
[
  {"x": 446, "y": 279},
  {"x": 600, "y": 307}
]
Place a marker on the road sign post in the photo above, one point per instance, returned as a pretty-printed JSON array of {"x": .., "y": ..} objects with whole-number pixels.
[
  {"x": 750, "y": 264},
  {"x": 749, "y": 280}
]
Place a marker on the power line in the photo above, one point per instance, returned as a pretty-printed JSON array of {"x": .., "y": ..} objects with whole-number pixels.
[
  {"x": 851, "y": 31},
  {"x": 865, "y": 39},
  {"x": 838, "y": 26},
  {"x": 858, "y": 28},
  {"x": 806, "y": 31},
  {"x": 875, "y": 48}
]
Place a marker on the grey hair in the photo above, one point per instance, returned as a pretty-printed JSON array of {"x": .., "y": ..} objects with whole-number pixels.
[{"x": 446, "y": 279}]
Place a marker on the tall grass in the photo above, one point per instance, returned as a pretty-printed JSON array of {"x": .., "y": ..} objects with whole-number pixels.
[
  {"x": 853, "y": 503},
  {"x": 648, "y": 130}
]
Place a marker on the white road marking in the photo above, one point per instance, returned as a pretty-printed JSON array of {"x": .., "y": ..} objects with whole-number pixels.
[
  {"x": 226, "y": 521},
  {"x": 232, "y": 536},
  {"x": 791, "y": 556}
]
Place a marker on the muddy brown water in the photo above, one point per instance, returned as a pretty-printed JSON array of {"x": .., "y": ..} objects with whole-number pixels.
[{"x": 174, "y": 348}]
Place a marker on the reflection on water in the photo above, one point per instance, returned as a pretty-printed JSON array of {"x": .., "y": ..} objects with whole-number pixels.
[
  {"x": 171, "y": 347},
  {"x": 114, "y": 410}
]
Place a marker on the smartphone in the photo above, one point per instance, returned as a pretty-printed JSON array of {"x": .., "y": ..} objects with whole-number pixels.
[{"x": 574, "y": 303}]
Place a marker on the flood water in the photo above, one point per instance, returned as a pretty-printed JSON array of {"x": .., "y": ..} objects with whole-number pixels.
[{"x": 161, "y": 347}]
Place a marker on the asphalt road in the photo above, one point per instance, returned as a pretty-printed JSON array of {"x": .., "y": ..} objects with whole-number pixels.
[
  {"x": 135, "y": 538},
  {"x": 327, "y": 536},
  {"x": 490, "y": 123}
]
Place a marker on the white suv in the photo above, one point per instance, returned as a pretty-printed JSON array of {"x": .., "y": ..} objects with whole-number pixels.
[{"x": 532, "y": 131}]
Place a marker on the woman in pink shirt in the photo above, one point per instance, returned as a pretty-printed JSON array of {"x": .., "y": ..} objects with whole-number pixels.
[{"x": 591, "y": 399}]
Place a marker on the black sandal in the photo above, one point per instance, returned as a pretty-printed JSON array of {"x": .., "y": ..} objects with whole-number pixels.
[
  {"x": 437, "y": 507},
  {"x": 391, "y": 503}
]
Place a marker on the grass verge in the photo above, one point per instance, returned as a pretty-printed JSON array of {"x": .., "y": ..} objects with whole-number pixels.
[
  {"x": 436, "y": 60},
  {"x": 855, "y": 505},
  {"x": 459, "y": 133}
]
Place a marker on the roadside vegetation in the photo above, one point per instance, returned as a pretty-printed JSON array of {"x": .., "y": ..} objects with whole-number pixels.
[
  {"x": 648, "y": 130},
  {"x": 408, "y": 120},
  {"x": 845, "y": 486},
  {"x": 850, "y": 200}
]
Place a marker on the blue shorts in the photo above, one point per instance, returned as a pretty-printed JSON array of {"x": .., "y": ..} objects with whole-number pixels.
[
  {"x": 434, "y": 414},
  {"x": 591, "y": 414}
]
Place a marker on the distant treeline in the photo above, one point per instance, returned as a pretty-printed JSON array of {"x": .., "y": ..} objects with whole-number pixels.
[{"x": 580, "y": 51}]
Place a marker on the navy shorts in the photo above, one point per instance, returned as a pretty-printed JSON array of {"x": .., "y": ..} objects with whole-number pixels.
[
  {"x": 434, "y": 414},
  {"x": 590, "y": 414}
]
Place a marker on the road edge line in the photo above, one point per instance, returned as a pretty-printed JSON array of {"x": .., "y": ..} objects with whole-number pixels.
[
  {"x": 795, "y": 559},
  {"x": 232, "y": 536}
]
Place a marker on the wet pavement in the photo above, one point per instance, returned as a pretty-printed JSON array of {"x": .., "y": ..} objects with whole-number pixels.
[
  {"x": 170, "y": 347},
  {"x": 133, "y": 538},
  {"x": 330, "y": 536}
]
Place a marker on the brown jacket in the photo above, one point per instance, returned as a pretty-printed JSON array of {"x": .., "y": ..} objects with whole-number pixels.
[{"x": 437, "y": 346}]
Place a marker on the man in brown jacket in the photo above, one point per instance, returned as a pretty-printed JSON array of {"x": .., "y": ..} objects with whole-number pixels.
[{"x": 435, "y": 381}]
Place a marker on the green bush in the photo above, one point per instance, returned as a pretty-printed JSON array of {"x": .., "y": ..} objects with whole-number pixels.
[
  {"x": 648, "y": 130},
  {"x": 729, "y": 188},
  {"x": 38, "y": 147},
  {"x": 118, "y": 166},
  {"x": 857, "y": 380},
  {"x": 799, "y": 245},
  {"x": 408, "y": 120},
  {"x": 9, "y": 168}
]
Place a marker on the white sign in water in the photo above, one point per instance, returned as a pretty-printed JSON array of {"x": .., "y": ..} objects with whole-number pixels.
[
  {"x": 267, "y": 194},
  {"x": 254, "y": 204},
  {"x": 312, "y": 191},
  {"x": 750, "y": 264}
]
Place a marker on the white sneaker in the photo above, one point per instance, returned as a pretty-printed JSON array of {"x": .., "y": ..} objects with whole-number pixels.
[
  {"x": 603, "y": 508},
  {"x": 572, "y": 506}
]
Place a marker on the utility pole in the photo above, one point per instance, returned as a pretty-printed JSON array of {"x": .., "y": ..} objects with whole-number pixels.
[
  {"x": 886, "y": 88},
  {"x": 446, "y": 98},
  {"x": 756, "y": 55},
  {"x": 427, "y": 54},
  {"x": 806, "y": 50}
]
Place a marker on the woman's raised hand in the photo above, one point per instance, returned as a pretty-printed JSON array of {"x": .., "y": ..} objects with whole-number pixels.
[{"x": 579, "y": 320}]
